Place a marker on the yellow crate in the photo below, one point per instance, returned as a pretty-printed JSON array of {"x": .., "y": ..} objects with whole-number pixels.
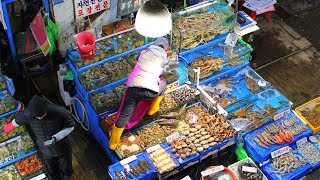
[{"x": 299, "y": 113}]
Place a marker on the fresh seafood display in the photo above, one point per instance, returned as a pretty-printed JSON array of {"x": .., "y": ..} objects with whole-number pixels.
[
  {"x": 317, "y": 140},
  {"x": 235, "y": 86},
  {"x": 104, "y": 101},
  {"x": 4, "y": 136},
  {"x": 162, "y": 160},
  {"x": 182, "y": 148},
  {"x": 9, "y": 173},
  {"x": 247, "y": 175},
  {"x": 107, "y": 100},
  {"x": 170, "y": 76},
  {"x": 208, "y": 65},
  {"x": 111, "y": 46},
  {"x": 4, "y": 152},
  {"x": 141, "y": 168},
  {"x": 273, "y": 134},
  {"x": 171, "y": 122},
  {"x": 193, "y": 29},
  {"x": 293, "y": 126},
  {"x": 257, "y": 110},
  {"x": 22, "y": 144},
  {"x": 7, "y": 103},
  {"x": 309, "y": 152},
  {"x": 120, "y": 90},
  {"x": 172, "y": 127},
  {"x": 216, "y": 126},
  {"x": 129, "y": 145},
  {"x": 200, "y": 137},
  {"x": 185, "y": 95},
  {"x": 151, "y": 135},
  {"x": 312, "y": 115},
  {"x": 287, "y": 162},
  {"x": 104, "y": 74},
  {"x": 252, "y": 85},
  {"x": 107, "y": 123},
  {"x": 167, "y": 104},
  {"x": 29, "y": 165},
  {"x": 3, "y": 82}
]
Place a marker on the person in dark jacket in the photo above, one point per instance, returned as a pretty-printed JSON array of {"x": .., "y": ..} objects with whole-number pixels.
[{"x": 51, "y": 124}]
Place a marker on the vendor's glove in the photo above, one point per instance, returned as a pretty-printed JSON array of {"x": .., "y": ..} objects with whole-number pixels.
[{"x": 7, "y": 128}]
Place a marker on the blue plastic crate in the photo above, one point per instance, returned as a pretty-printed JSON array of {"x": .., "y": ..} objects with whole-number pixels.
[
  {"x": 241, "y": 50},
  {"x": 94, "y": 127},
  {"x": 314, "y": 165},
  {"x": 79, "y": 85},
  {"x": 9, "y": 108},
  {"x": 74, "y": 56},
  {"x": 18, "y": 159},
  {"x": 261, "y": 104},
  {"x": 296, "y": 174},
  {"x": 151, "y": 174},
  {"x": 238, "y": 90},
  {"x": 212, "y": 48},
  {"x": 260, "y": 154},
  {"x": 18, "y": 154},
  {"x": 107, "y": 89},
  {"x": 208, "y": 152},
  {"x": 184, "y": 163}
]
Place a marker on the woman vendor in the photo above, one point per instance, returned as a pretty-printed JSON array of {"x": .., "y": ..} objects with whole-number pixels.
[{"x": 143, "y": 85}]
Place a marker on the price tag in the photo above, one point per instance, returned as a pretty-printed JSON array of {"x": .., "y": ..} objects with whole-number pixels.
[
  {"x": 39, "y": 177},
  {"x": 128, "y": 160},
  {"x": 192, "y": 118},
  {"x": 281, "y": 115},
  {"x": 7, "y": 159},
  {"x": 279, "y": 152},
  {"x": 172, "y": 86},
  {"x": 249, "y": 169},
  {"x": 313, "y": 139},
  {"x": 231, "y": 39},
  {"x": 212, "y": 171},
  {"x": 172, "y": 137},
  {"x": 153, "y": 148},
  {"x": 186, "y": 178},
  {"x": 302, "y": 141}
]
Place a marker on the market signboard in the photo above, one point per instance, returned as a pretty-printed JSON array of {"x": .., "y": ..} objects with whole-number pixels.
[{"x": 85, "y": 8}]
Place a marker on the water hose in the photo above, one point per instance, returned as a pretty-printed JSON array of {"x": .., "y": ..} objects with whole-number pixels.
[{"x": 76, "y": 116}]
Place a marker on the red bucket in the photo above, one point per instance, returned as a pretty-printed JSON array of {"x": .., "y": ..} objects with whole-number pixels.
[{"x": 86, "y": 44}]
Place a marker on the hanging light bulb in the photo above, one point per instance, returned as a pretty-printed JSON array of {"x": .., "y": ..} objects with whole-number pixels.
[{"x": 153, "y": 19}]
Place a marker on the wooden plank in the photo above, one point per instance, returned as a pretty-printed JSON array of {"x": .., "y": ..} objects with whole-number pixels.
[
  {"x": 271, "y": 43},
  {"x": 89, "y": 155},
  {"x": 79, "y": 172},
  {"x": 297, "y": 77}
]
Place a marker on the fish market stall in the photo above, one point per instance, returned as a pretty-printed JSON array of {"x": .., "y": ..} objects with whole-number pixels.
[{"x": 214, "y": 102}]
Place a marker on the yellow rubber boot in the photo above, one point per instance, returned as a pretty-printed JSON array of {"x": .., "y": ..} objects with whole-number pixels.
[
  {"x": 155, "y": 105},
  {"x": 115, "y": 137}
]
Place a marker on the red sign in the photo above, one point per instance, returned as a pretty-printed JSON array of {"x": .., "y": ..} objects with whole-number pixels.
[
  {"x": 40, "y": 33},
  {"x": 85, "y": 8}
]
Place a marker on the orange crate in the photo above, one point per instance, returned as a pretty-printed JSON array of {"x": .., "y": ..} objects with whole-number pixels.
[{"x": 315, "y": 126}]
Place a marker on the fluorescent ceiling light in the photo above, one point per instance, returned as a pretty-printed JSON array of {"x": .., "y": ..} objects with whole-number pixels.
[{"x": 153, "y": 19}]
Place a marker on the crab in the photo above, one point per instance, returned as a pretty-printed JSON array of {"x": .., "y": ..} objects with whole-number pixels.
[{"x": 251, "y": 84}]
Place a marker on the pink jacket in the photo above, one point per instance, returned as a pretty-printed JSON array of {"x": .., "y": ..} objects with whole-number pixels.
[{"x": 141, "y": 76}]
